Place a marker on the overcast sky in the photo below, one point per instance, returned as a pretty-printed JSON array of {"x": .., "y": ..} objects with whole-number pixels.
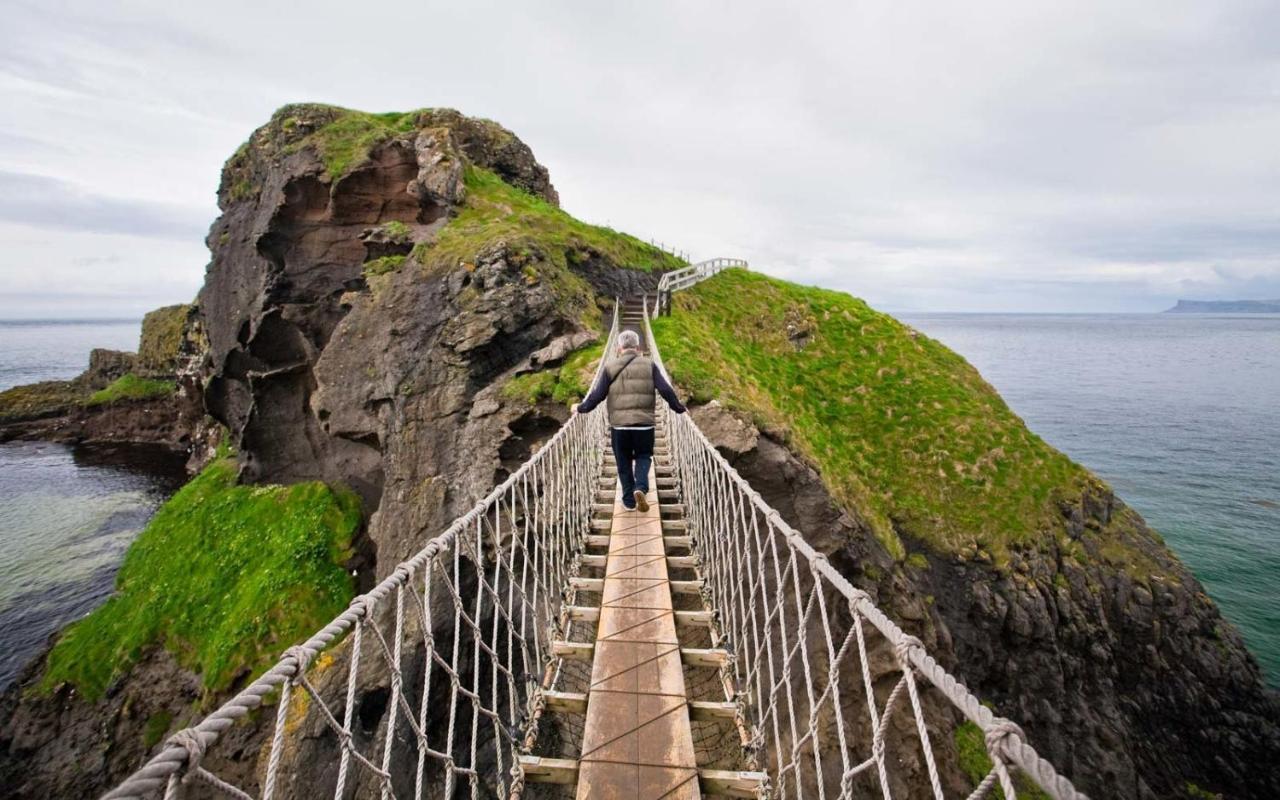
[{"x": 1005, "y": 156}]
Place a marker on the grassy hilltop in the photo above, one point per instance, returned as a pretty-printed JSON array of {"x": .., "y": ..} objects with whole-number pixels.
[{"x": 904, "y": 431}]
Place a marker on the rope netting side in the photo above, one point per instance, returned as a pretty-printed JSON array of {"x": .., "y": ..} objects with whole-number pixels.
[
  {"x": 432, "y": 681},
  {"x": 830, "y": 686}
]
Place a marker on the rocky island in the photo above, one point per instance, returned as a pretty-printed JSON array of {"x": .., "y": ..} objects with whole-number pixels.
[
  {"x": 1225, "y": 307},
  {"x": 397, "y": 313}
]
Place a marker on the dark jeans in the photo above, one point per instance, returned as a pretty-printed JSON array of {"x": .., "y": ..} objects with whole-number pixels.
[{"x": 633, "y": 450}]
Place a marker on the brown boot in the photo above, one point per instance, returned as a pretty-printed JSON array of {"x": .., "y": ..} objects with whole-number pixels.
[{"x": 642, "y": 502}]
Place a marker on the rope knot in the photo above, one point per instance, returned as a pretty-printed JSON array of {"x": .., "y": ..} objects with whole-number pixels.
[
  {"x": 904, "y": 646},
  {"x": 857, "y": 596},
  {"x": 359, "y": 606},
  {"x": 997, "y": 735},
  {"x": 301, "y": 656},
  {"x": 188, "y": 739}
]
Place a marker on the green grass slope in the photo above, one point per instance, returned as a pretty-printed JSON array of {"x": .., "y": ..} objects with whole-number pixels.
[
  {"x": 497, "y": 211},
  {"x": 224, "y": 576},
  {"x": 903, "y": 430}
]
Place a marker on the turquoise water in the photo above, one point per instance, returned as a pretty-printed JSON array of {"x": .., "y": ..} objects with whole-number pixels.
[
  {"x": 1180, "y": 414},
  {"x": 67, "y": 514}
]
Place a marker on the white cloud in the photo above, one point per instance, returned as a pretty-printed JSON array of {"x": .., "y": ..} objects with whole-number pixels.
[{"x": 991, "y": 156}]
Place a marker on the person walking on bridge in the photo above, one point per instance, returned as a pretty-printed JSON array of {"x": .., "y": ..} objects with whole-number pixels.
[{"x": 629, "y": 382}]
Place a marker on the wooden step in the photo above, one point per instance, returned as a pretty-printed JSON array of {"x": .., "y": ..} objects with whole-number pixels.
[
  {"x": 686, "y": 587},
  {"x": 677, "y": 542},
  {"x": 573, "y": 651},
  {"x": 731, "y": 783},
  {"x": 674, "y": 526},
  {"x": 668, "y": 496},
  {"x": 583, "y": 613},
  {"x": 705, "y": 710},
  {"x": 597, "y": 540},
  {"x": 714, "y": 657},
  {"x": 712, "y": 782},
  {"x": 550, "y": 770},
  {"x": 576, "y": 703},
  {"x": 682, "y": 562},
  {"x": 588, "y": 584},
  {"x": 593, "y": 561},
  {"x": 691, "y": 619}
]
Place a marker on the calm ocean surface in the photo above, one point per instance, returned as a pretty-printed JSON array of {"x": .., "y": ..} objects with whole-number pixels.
[
  {"x": 66, "y": 514},
  {"x": 1180, "y": 414}
]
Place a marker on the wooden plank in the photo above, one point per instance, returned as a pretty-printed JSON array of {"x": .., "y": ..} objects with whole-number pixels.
[
  {"x": 597, "y": 540},
  {"x": 637, "y": 741},
  {"x": 682, "y": 562},
  {"x": 584, "y": 613},
  {"x": 567, "y": 702},
  {"x": 714, "y": 657},
  {"x": 731, "y": 783},
  {"x": 709, "y": 711},
  {"x": 677, "y": 542},
  {"x": 674, "y": 526},
  {"x": 686, "y": 587},
  {"x": 593, "y": 561},
  {"x": 692, "y": 618},
  {"x": 549, "y": 770},
  {"x": 574, "y": 651},
  {"x": 587, "y": 584}
]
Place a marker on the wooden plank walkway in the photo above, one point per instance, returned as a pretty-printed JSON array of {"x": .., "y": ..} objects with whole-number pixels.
[{"x": 637, "y": 742}]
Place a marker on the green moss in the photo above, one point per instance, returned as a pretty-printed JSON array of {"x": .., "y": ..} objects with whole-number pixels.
[
  {"x": 224, "y": 577},
  {"x": 975, "y": 763},
  {"x": 904, "y": 431},
  {"x": 156, "y": 727},
  {"x": 130, "y": 387},
  {"x": 395, "y": 230},
  {"x": 530, "y": 387},
  {"x": 347, "y": 141},
  {"x": 917, "y": 561},
  {"x": 531, "y": 227},
  {"x": 566, "y": 384},
  {"x": 161, "y": 339},
  {"x": 1196, "y": 793},
  {"x": 35, "y": 400},
  {"x": 383, "y": 266}
]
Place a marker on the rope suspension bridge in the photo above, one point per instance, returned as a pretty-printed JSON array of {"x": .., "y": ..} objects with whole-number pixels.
[{"x": 549, "y": 644}]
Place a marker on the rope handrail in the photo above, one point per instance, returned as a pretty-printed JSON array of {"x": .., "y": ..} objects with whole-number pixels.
[
  {"x": 546, "y": 506},
  {"x": 727, "y": 515}
]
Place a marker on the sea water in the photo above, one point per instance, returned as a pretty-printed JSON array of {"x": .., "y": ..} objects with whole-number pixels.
[
  {"x": 67, "y": 514},
  {"x": 1179, "y": 413}
]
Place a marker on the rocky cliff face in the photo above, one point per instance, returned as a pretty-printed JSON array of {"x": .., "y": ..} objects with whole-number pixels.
[
  {"x": 1126, "y": 677},
  {"x": 323, "y": 365}
]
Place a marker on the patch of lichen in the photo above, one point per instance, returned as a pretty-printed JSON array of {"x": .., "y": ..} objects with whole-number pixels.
[
  {"x": 161, "y": 339},
  {"x": 905, "y": 432},
  {"x": 44, "y": 399}
]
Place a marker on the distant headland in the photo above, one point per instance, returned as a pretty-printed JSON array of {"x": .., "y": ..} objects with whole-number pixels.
[{"x": 1225, "y": 307}]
